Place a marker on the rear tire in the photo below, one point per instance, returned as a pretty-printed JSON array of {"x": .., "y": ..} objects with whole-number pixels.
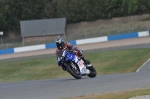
[
  {"x": 92, "y": 72},
  {"x": 69, "y": 69}
]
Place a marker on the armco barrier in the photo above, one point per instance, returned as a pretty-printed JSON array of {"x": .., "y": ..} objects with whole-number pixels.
[
  {"x": 7, "y": 51},
  {"x": 76, "y": 42},
  {"x": 123, "y": 36},
  {"x": 92, "y": 40},
  {"x": 51, "y": 45},
  {"x": 73, "y": 42},
  {"x": 29, "y": 48},
  {"x": 144, "y": 33}
]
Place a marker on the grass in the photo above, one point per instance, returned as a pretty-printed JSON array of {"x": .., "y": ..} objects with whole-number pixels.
[
  {"x": 116, "y": 95},
  {"x": 105, "y": 63}
]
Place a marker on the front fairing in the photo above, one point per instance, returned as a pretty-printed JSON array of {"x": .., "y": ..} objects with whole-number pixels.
[
  {"x": 81, "y": 66},
  {"x": 72, "y": 57},
  {"x": 79, "y": 62}
]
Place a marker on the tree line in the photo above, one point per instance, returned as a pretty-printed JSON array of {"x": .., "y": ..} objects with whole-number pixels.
[{"x": 13, "y": 11}]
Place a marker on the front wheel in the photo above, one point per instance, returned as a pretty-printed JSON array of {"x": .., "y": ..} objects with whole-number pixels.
[
  {"x": 92, "y": 72},
  {"x": 74, "y": 71}
]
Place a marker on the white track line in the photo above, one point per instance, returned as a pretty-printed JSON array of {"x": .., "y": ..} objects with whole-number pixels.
[{"x": 143, "y": 65}]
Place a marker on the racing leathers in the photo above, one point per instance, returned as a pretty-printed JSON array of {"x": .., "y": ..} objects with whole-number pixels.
[{"x": 69, "y": 47}]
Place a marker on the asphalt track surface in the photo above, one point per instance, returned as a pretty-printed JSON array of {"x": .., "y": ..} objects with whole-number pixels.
[
  {"x": 68, "y": 87},
  {"x": 145, "y": 67}
]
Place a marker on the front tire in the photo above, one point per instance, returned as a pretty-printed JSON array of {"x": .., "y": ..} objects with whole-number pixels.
[
  {"x": 92, "y": 72},
  {"x": 71, "y": 71}
]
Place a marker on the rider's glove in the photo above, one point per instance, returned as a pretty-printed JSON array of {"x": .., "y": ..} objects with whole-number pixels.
[{"x": 80, "y": 53}]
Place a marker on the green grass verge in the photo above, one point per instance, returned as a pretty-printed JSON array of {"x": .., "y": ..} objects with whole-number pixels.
[
  {"x": 105, "y": 63},
  {"x": 116, "y": 95}
]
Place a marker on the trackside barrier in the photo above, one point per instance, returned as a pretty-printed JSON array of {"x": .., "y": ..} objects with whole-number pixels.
[
  {"x": 53, "y": 45},
  {"x": 123, "y": 36},
  {"x": 144, "y": 33},
  {"x": 7, "y": 51},
  {"x": 29, "y": 48},
  {"x": 77, "y": 42},
  {"x": 92, "y": 40}
]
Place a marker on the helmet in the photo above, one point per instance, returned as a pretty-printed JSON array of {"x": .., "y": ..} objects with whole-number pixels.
[{"x": 60, "y": 43}]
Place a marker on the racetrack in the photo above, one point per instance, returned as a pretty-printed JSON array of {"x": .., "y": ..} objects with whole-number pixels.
[{"x": 67, "y": 87}]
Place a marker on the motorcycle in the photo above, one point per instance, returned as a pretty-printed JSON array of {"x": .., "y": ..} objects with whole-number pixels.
[{"x": 75, "y": 65}]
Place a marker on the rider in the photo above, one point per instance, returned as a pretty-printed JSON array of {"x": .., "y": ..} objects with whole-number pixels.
[{"x": 61, "y": 45}]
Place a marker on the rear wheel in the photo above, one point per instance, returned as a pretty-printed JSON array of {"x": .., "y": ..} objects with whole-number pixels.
[
  {"x": 92, "y": 72},
  {"x": 74, "y": 70}
]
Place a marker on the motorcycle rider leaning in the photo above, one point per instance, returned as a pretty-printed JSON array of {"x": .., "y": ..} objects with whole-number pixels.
[{"x": 61, "y": 45}]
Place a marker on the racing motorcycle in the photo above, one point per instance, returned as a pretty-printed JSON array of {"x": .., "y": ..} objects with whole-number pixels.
[{"x": 75, "y": 65}]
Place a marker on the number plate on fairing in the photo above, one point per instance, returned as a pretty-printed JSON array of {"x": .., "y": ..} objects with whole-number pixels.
[
  {"x": 80, "y": 63},
  {"x": 81, "y": 66}
]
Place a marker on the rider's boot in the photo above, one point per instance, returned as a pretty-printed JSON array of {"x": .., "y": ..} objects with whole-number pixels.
[
  {"x": 87, "y": 62},
  {"x": 87, "y": 71}
]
